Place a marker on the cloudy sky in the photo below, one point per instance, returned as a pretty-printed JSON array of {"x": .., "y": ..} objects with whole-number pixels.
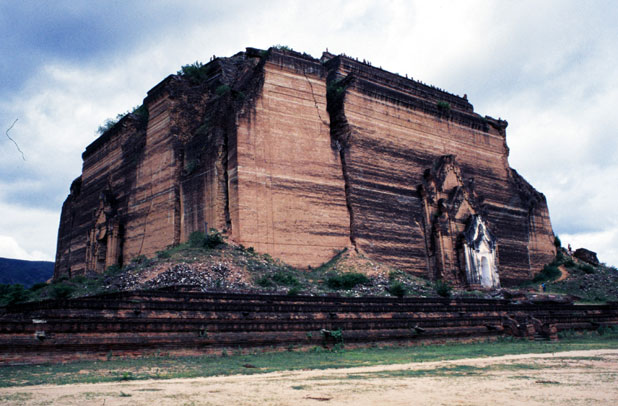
[{"x": 548, "y": 67}]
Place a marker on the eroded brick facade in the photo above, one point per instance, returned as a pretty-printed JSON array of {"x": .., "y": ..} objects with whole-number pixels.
[{"x": 299, "y": 158}]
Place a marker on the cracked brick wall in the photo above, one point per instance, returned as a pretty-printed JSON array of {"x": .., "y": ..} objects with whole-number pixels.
[{"x": 299, "y": 158}]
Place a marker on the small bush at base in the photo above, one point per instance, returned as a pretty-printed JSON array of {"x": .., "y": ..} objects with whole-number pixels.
[
  {"x": 589, "y": 269},
  {"x": 347, "y": 280},
  {"x": 335, "y": 336},
  {"x": 163, "y": 254},
  {"x": 198, "y": 239},
  {"x": 603, "y": 330},
  {"x": 549, "y": 272},
  {"x": 38, "y": 286},
  {"x": 113, "y": 269},
  {"x": 265, "y": 282},
  {"x": 397, "y": 289},
  {"x": 12, "y": 294},
  {"x": 138, "y": 260},
  {"x": 443, "y": 288},
  {"x": 214, "y": 239},
  {"x": 61, "y": 290},
  {"x": 569, "y": 263},
  {"x": 286, "y": 279}
]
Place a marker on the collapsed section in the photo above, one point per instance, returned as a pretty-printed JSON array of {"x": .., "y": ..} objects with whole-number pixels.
[{"x": 300, "y": 158}]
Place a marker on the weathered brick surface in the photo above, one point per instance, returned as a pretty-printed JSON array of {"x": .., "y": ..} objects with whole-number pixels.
[
  {"x": 291, "y": 200},
  {"x": 393, "y": 135},
  {"x": 273, "y": 150},
  {"x": 109, "y": 170},
  {"x": 138, "y": 322}
]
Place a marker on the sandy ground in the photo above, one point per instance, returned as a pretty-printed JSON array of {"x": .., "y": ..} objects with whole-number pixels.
[{"x": 566, "y": 378}]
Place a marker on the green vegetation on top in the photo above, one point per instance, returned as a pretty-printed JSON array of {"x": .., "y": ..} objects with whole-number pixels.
[
  {"x": 140, "y": 112},
  {"x": 197, "y": 72},
  {"x": 443, "y": 107},
  {"x": 282, "y": 47}
]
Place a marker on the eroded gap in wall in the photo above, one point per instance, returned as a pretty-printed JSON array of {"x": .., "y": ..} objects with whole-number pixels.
[
  {"x": 245, "y": 81},
  {"x": 340, "y": 134}
]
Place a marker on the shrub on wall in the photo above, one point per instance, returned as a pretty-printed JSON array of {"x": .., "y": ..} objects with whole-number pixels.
[{"x": 444, "y": 107}]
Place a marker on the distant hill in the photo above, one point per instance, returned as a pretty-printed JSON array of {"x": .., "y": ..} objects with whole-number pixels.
[{"x": 25, "y": 272}]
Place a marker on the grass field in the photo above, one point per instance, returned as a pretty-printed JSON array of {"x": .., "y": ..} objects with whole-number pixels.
[{"x": 233, "y": 362}]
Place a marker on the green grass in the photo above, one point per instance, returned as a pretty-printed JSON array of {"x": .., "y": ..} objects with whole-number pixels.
[{"x": 160, "y": 367}]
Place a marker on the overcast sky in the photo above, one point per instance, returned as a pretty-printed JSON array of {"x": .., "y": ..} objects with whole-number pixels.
[{"x": 548, "y": 67}]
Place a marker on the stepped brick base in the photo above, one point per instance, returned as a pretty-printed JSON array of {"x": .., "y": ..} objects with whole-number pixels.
[{"x": 134, "y": 323}]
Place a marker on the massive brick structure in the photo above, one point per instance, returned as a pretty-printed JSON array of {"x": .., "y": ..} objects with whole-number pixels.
[{"x": 299, "y": 157}]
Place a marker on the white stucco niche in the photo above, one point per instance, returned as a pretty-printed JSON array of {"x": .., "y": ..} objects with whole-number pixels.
[{"x": 480, "y": 254}]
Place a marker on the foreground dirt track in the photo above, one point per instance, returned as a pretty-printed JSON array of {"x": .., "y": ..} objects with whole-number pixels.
[{"x": 566, "y": 378}]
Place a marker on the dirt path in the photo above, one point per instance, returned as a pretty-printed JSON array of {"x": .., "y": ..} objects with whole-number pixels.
[
  {"x": 564, "y": 273},
  {"x": 567, "y": 378}
]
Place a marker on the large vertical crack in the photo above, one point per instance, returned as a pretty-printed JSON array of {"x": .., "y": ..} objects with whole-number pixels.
[
  {"x": 315, "y": 102},
  {"x": 348, "y": 200},
  {"x": 340, "y": 135}
]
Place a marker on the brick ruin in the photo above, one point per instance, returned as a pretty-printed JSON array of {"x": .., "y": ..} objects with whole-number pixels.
[
  {"x": 184, "y": 321},
  {"x": 300, "y": 157}
]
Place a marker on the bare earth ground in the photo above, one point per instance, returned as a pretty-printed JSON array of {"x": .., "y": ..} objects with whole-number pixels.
[{"x": 565, "y": 378}]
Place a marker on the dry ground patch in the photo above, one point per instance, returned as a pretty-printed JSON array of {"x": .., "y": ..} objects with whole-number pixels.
[{"x": 563, "y": 378}]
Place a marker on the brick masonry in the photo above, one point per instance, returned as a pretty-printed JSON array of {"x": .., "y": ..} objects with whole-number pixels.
[
  {"x": 299, "y": 158},
  {"x": 135, "y": 323}
]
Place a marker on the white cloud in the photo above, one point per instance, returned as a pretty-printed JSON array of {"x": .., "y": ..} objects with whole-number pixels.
[
  {"x": 604, "y": 243},
  {"x": 9, "y": 248},
  {"x": 28, "y": 233}
]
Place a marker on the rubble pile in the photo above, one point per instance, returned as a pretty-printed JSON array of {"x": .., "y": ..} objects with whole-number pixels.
[{"x": 216, "y": 276}]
